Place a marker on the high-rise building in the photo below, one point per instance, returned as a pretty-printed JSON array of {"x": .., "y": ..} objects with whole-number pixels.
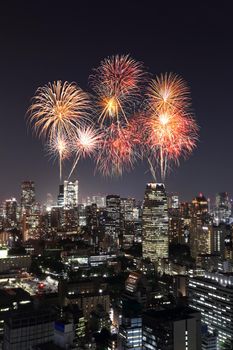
[
  {"x": 60, "y": 197},
  {"x": 209, "y": 342},
  {"x": 173, "y": 201},
  {"x": 127, "y": 206},
  {"x": 25, "y": 329},
  {"x": 112, "y": 224},
  {"x": 81, "y": 215},
  {"x": 27, "y": 197},
  {"x": 171, "y": 329},
  {"x": 155, "y": 223},
  {"x": 70, "y": 194},
  {"x": 100, "y": 201},
  {"x": 212, "y": 295},
  {"x": 222, "y": 241},
  {"x": 10, "y": 212},
  {"x": 130, "y": 330},
  {"x": 200, "y": 227},
  {"x": 222, "y": 211}
]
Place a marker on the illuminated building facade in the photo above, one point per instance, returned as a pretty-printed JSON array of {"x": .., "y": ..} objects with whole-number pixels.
[
  {"x": 222, "y": 211},
  {"x": 155, "y": 223},
  {"x": 10, "y": 213},
  {"x": 70, "y": 194},
  {"x": 27, "y": 197},
  {"x": 130, "y": 330},
  {"x": 212, "y": 295},
  {"x": 171, "y": 329},
  {"x": 112, "y": 224},
  {"x": 200, "y": 227}
]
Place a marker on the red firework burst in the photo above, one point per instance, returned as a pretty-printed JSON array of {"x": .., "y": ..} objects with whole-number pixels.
[
  {"x": 116, "y": 152},
  {"x": 116, "y": 83}
]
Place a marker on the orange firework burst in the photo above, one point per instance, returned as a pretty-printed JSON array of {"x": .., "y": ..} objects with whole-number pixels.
[
  {"x": 116, "y": 83},
  {"x": 169, "y": 131},
  {"x": 57, "y": 108},
  {"x": 116, "y": 152},
  {"x": 85, "y": 143},
  {"x": 168, "y": 92},
  {"x": 59, "y": 147}
]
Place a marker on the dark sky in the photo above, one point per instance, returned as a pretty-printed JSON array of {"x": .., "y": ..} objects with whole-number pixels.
[{"x": 42, "y": 41}]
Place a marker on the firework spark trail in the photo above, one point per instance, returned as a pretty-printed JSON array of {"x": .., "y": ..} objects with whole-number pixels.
[
  {"x": 59, "y": 147},
  {"x": 116, "y": 83},
  {"x": 85, "y": 143}
]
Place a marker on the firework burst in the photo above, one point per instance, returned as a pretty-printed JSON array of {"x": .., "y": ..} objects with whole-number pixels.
[
  {"x": 169, "y": 131},
  {"x": 85, "y": 143},
  {"x": 116, "y": 152},
  {"x": 57, "y": 108},
  {"x": 116, "y": 83},
  {"x": 168, "y": 93}
]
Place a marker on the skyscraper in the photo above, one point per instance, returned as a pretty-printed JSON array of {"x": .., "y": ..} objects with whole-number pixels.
[
  {"x": 70, "y": 194},
  {"x": 27, "y": 196},
  {"x": 60, "y": 197},
  {"x": 10, "y": 209},
  {"x": 155, "y": 222},
  {"x": 200, "y": 227},
  {"x": 112, "y": 225},
  {"x": 222, "y": 211}
]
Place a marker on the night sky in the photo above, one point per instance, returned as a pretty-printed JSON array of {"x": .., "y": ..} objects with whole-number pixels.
[{"x": 42, "y": 41}]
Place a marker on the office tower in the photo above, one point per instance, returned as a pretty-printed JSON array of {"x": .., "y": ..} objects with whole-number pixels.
[
  {"x": 10, "y": 213},
  {"x": 70, "y": 194},
  {"x": 199, "y": 207},
  {"x": 112, "y": 225},
  {"x": 100, "y": 201},
  {"x": 127, "y": 207},
  {"x": 200, "y": 227},
  {"x": 222, "y": 210},
  {"x": 64, "y": 334},
  {"x": 212, "y": 295},
  {"x": 155, "y": 223},
  {"x": 25, "y": 329},
  {"x": 171, "y": 329},
  {"x": 27, "y": 196},
  {"x": 209, "y": 342},
  {"x": 173, "y": 201},
  {"x": 60, "y": 197},
  {"x": 10, "y": 299},
  {"x": 92, "y": 223},
  {"x": 81, "y": 215},
  {"x": 176, "y": 227},
  {"x": 70, "y": 219},
  {"x": 130, "y": 330},
  {"x": 127, "y": 221},
  {"x": 222, "y": 241}
]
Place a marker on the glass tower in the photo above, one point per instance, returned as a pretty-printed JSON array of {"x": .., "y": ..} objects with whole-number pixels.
[{"x": 155, "y": 222}]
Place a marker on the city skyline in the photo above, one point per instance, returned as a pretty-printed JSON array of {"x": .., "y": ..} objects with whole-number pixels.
[{"x": 197, "y": 52}]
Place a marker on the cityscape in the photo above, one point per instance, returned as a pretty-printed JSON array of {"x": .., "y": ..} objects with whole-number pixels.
[
  {"x": 106, "y": 272},
  {"x": 116, "y": 196}
]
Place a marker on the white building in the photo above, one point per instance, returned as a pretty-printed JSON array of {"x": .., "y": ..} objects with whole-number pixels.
[{"x": 70, "y": 194}]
